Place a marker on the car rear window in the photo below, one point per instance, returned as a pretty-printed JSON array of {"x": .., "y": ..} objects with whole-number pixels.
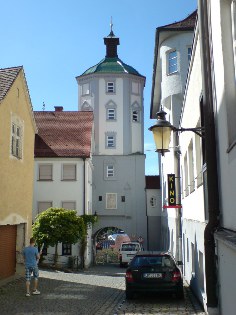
[
  {"x": 162, "y": 261},
  {"x": 130, "y": 247}
]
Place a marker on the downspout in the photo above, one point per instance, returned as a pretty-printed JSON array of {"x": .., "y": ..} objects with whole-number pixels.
[
  {"x": 84, "y": 201},
  {"x": 211, "y": 160}
]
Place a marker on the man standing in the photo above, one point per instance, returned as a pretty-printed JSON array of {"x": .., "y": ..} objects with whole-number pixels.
[{"x": 31, "y": 257}]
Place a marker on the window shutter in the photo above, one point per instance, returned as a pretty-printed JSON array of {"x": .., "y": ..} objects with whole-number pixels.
[
  {"x": 69, "y": 172},
  {"x": 68, "y": 205},
  {"x": 45, "y": 172},
  {"x": 44, "y": 205}
]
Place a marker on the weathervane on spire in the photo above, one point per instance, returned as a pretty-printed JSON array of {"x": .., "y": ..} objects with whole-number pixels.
[
  {"x": 111, "y": 32},
  {"x": 111, "y": 24}
]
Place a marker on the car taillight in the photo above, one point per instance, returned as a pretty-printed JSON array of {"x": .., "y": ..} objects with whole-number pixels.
[
  {"x": 129, "y": 276},
  {"x": 176, "y": 276}
]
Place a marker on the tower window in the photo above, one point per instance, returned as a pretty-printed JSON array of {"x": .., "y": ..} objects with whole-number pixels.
[
  {"x": 135, "y": 116},
  {"x": 110, "y": 87},
  {"x": 189, "y": 53},
  {"x": 111, "y": 114},
  {"x": 172, "y": 62},
  {"x": 110, "y": 141},
  {"x": 110, "y": 170}
]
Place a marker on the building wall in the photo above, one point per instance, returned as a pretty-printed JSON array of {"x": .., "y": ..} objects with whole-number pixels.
[
  {"x": 223, "y": 25},
  {"x": 193, "y": 209},
  {"x": 174, "y": 83},
  {"x": 58, "y": 191},
  {"x": 129, "y": 182},
  {"x": 129, "y": 135},
  {"x": 154, "y": 210},
  {"x": 16, "y": 175}
]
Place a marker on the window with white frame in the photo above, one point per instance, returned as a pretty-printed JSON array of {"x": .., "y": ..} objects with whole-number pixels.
[
  {"x": 45, "y": 172},
  {"x": 111, "y": 113},
  {"x": 71, "y": 205},
  {"x": 172, "y": 64},
  {"x": 201, "y": 270},
  {"x": 111, "y": 201},
  {"x": 153, "y": 201},
  {"x": 135, "y": 87},
  {"x": 110, "y": 87},
  {"x": 44, "y": 205},
  {"x": 16, "y": 141},
  {"x": 189, "y": 53},
  {"x": 69, "y": 172},
  {"x": 191, "y": 167},
  {"x": 85, "y": 89},
  {"x": 110, "y": 170},
  {"x": 110, "y": 141},
  {"x": 198, "y": 153},
  {"x": 193, "y": 257},
  {"x": 186, "y": 187}
]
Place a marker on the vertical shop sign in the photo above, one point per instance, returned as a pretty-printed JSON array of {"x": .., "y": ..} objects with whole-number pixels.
[{"x": 171, "y": 190}]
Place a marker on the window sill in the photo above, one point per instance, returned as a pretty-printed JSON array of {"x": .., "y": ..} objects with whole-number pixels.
[
  {"x": 68, "y": 180},
  {"x": 172, "y": 73},
  {"x": 45, "y": 180}
]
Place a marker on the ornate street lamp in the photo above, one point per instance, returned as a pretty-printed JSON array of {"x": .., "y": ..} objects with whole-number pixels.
[{"x": 162, "y": 131}]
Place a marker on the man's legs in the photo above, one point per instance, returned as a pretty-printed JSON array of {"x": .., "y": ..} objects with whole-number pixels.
[
  {"x": 27, "y": 278},
  {"x": 28, "y": 287},
  {"x": 36, "y": 275},
  {"x": 35, "y": 284}
]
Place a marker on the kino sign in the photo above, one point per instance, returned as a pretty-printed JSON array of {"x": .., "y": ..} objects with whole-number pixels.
[{"x": 171, "y": 189}]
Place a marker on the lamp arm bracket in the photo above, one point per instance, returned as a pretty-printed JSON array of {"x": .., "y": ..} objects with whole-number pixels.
[{"x": 198, "y": 130}]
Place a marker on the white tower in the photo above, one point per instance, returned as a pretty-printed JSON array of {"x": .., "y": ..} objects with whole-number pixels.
[{"x": 113, "y": 90}]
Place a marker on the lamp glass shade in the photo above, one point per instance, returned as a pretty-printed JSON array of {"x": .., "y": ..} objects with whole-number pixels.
[{"x": 162, "y": 138}]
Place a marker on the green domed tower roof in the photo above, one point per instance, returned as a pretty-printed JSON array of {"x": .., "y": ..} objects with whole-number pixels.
[{"x": 111, "y": 63}]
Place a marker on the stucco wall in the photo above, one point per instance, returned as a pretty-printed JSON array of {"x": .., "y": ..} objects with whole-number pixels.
[
  {"x": 129, "y": 181},
  {"x": 16, "y": 175}
]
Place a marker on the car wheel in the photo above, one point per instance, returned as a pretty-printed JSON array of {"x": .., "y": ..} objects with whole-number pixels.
[
  {"x": 129, "y": 294},
  {"x": 180, "y": 294}
]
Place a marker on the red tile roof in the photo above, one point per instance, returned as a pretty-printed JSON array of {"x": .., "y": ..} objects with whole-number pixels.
[
  {"x": 63, "y": 134},
  {"x": 7, "y": 77},
  {"x": 152, "y": 182}
]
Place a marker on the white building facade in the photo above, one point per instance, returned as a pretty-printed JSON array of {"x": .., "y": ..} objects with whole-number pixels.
[
  {"x": 172, "y": 54},
  {"x": 63, "y": 171}
]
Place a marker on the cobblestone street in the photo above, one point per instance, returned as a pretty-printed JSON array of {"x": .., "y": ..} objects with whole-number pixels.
[{"x": 98, "y": 291}]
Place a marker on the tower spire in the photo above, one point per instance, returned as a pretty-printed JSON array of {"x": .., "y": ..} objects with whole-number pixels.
[{"x": 111, "y": 42}]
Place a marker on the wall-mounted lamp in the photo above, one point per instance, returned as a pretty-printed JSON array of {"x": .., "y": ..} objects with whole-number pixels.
[{"x": 162, "y": 131}]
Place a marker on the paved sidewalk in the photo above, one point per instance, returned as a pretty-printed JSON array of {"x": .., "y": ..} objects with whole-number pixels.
[{"x": 97, "y": 291}]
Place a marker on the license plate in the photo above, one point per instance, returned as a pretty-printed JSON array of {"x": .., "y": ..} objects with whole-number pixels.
[
  {"x": 152, "y": 275},
  {"x": 130, "y": 255}
]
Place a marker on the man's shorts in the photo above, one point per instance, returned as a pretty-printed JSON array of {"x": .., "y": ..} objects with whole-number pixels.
[{"x": 31, "y": 270}]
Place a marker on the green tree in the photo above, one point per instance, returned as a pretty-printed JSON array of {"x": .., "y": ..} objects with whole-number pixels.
[{"x": 58, "y": 225}]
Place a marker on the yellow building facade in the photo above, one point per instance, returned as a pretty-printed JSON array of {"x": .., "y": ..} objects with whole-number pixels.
[{"x": 17, "y": 134}]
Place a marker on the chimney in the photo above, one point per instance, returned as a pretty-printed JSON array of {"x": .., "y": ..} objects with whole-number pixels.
[{"x": 58, "y": 108}]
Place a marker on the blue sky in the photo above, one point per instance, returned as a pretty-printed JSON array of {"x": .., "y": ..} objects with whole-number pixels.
[{"x": 57, "y": 40}]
